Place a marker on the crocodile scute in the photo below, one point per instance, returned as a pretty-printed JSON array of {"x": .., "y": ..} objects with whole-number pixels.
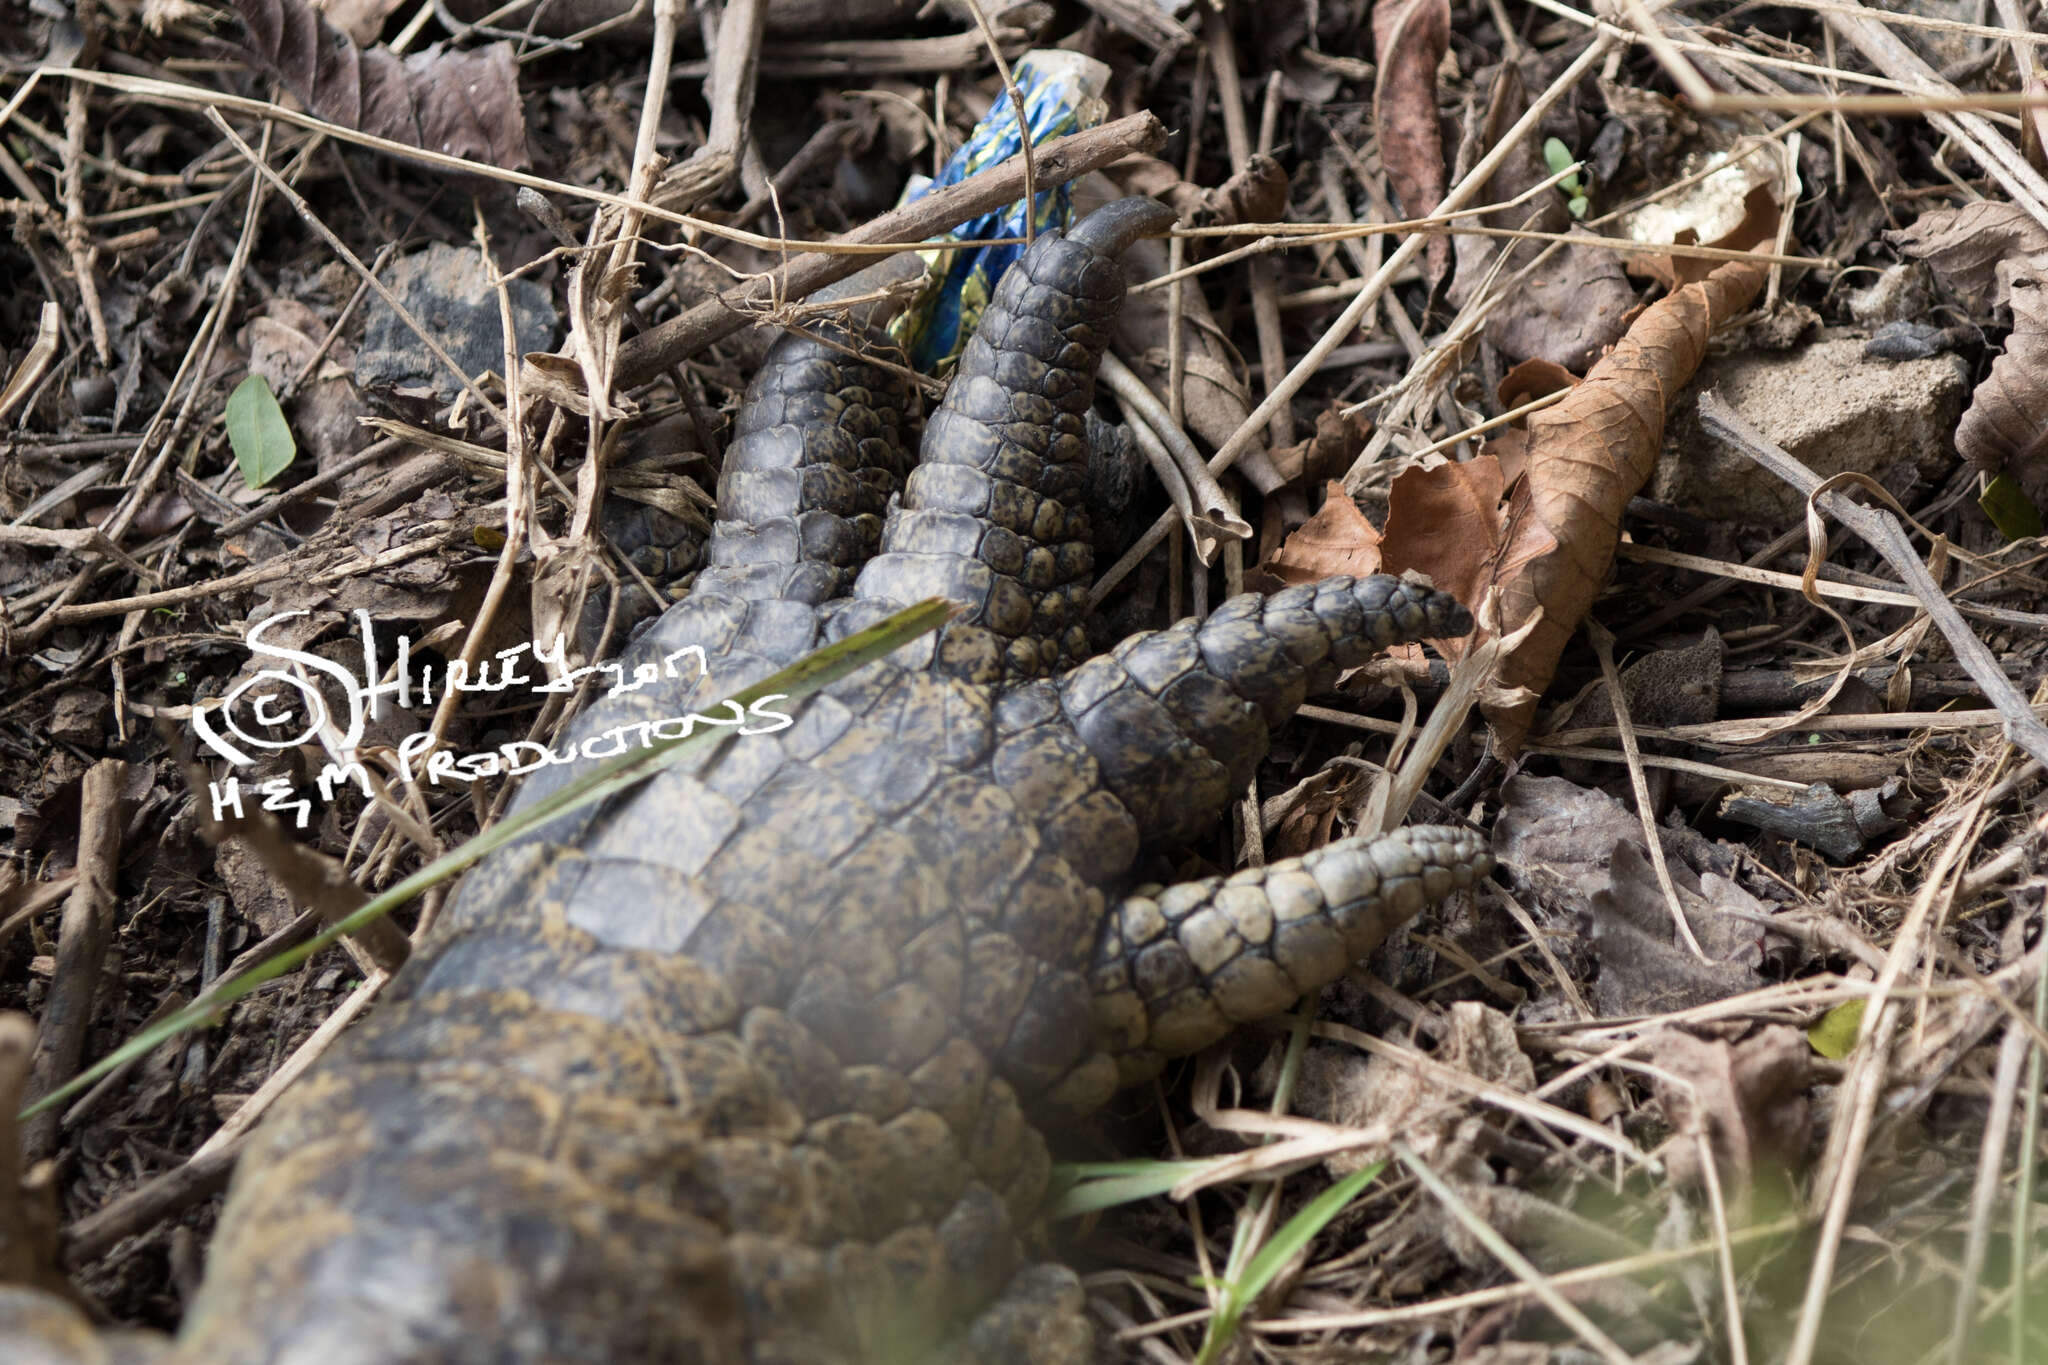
[{"x": 752, "y": 1062}]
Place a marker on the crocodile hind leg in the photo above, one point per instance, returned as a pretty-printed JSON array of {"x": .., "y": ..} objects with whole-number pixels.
[{"x": 995, "y": 517}]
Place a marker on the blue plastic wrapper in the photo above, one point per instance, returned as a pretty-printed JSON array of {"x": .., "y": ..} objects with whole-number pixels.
[{"x": 1062, "y": 94}]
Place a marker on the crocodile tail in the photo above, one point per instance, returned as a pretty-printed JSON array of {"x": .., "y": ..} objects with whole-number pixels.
[
  {"x": 1178, "y": 968},
  {"x": 1179, "y": 718},
  {"x": 995, "y": 515}
]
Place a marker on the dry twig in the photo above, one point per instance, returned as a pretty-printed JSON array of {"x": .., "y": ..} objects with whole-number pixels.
[
  {"x": 1888, "y": 538},
  {"x": 82, "y": 942},
  {"x": 645, "y": 356}
]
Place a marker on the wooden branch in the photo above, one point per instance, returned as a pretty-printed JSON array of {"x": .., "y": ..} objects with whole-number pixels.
[
  {"x": 161, "y": 1196},
  {"x": 647, "y": 355},
  {"x": 1882, "y": 530},
  {"x": 82, "y": 941}
]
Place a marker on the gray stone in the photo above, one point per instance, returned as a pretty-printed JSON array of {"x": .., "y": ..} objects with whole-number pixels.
[
  {"x": 446, "y": 291},
  {"x": 1902, "y": 293},
  {"x": 1828, "y": 406}
]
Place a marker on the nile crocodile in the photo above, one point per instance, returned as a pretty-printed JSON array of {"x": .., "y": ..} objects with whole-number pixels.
[{"x": 751, "y": 1062}]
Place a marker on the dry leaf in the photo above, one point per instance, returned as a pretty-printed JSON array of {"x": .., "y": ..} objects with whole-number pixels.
[
  {"x": 1966, "y": 245},
  {"x": 1336, "y": 540},
  {"x": 462, "y": 104},
  {"x": 1446, "y": 523},
  {"x": 1570, "y": 312},
  {"x": 1589, "y": 455},
  {"x": 1256, "y": 194},
  {"x": 1340, "y": 437},
  {"x": 1578, "y": 855},
  {"x": 1644, "y": 968},
  {"x": 1533, "y": 379},
  {"x": 1665, "y": 687},
  {"x": 1748, "y": 1100},
  {"x": 1581, "y": 302},
  {"x": 1997, "y": 254},
  {"x": 1585, "y": 458},
  {"x": 2006, "y": 426},
  {"x": 1302, "y": 817},
  {"x": 1410, "y": 38}
]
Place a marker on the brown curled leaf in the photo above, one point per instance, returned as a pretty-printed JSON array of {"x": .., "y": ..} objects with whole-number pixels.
[
  {"x": 1256, "y": 194},
  {"x": 1336, "y": 540},
  {"x": 1966, "y": 245},
  {"x": 1589, "y": 455},
  {"x": 1326, "y": 455},
  {"x": 1447, "y": 523},
  {"x": 1582, "y": 460},
  {"x": 1410, "y": 38},
  {"x": 2006, "y": 427},
  {"x": 460, "y": 103}
]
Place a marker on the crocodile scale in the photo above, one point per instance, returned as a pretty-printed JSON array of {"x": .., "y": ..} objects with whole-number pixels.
[{"x": 750, "y": 1062}]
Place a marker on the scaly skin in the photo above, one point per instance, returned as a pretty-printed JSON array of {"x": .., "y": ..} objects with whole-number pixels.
[{"x": 744, "y": 1064}]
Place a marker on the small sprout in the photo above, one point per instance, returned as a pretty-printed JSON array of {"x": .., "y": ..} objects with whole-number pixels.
[
  {"x": 2010, "y": 509},
  {"x": 1834, "y": 1037},
  {"x": 1559, "y": 158}
]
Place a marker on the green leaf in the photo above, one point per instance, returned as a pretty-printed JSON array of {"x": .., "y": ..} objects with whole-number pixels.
[
  {"x": 262, "y": 439},
  {"x": 1577, "y": 206},
  {"x": 1273, "y": 1257},
  {"x": 1086, "y": 1187},
  {"x": 1557, "y": 156},
  {"x": 1834, "y": 1037},
  {"x": 2010, "y": 509},
  {"x": 814, "y": 671}
]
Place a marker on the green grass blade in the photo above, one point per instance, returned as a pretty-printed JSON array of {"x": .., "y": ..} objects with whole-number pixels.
[
  {"x": 1281, "y": 1248},
  {"x": 807, "y": 675},
  {"x": 1088, "y": 1187}
]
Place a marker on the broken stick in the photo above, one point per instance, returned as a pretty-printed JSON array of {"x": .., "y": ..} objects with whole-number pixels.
[
  {"x": 1882, "y": 530},
  {"x": 647, "y": 355}
]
